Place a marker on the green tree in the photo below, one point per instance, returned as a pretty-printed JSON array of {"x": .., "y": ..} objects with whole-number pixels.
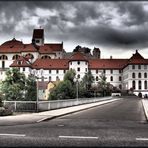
[
  {"x": 13, "y": 86},
  {"x": 88, "y": 80},
  {"x": 65, "y": 89},
  {"x": 30, "y": 88},
  {"x": 103, "y": 86},
  {"x": 70, "y": 75}
]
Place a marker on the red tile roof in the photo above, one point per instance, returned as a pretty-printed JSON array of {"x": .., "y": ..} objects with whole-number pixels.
[
  {"x": 11, "y": 46},
  {"x": 29, "y": 48},
  {"x": 49, "y": 48},
  {"x": 107, "y": 63},
  {"x": 24, "y": 62},
  {"x": 38, "y": 33},
  {"x": 78, "y": 56},
  {"x": 50, "y": 64}
]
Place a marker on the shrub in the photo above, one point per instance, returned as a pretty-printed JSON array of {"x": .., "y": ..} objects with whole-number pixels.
[{"x": 5, "y": 111}]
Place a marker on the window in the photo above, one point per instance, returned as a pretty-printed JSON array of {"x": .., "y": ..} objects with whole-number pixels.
[
  {"x": 42, "y": 78},
  {"x": 49, "y": 78},
  {"x": 111, "y": 71},
  {"x": 111, "y": 78},
  {"x": 120, "y": 79},
  {"x": 133, "y": 75},
  {"x": 57, "y": 78},
  {"x": 104, "y": 71},
  {"x": 49, "y": 71},
  {"x": 45, "y": 57},
  {"x": 133, "y": 66},
  {"x": 23, "y": 68},
  {"x": 3, "y": 64},
  {"x": 145, "y": 75},
  {"x": 37, "y": 41},
  {"x": 120, "y": 86},
  {"x": 29, "y": 56},
  {"x": 145, "y": 84},
  {"x": 78, "y": 62},
  {"x": 85, "y": 69},
  {"x": 19, "y": 62},
  {"x": 85, "y": 63},
  {"x": 134, "y": 85},
  {"x": 120, "y": 71},
  {"x": 97, "y": 71},
  {"x": 139, "y": 66},
  {"x": 78, "y": 69},
  {"x": 139, "y": 75},
  {"x": 15, "y": 57},
  {"x": 64, "y": 71},
  {"x": 145, "y": 66},
  {"x": 97, "y": 78},
  {"x": 78, "y": 76},
  {"x": 57, "y": 71},
  {"x": 139, "y": 83},
  {"x": 4, "y": 57}
]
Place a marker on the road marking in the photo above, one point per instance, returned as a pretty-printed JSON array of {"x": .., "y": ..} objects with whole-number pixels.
[
  {"x": 142, "y": 139},
  {"x": 42, "y": 119},
  {"x": 21, "y": 135},
  {"x": 78, "y": 137}
]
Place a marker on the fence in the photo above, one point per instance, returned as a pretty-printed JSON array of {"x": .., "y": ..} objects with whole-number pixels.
[{"x": 31, "y": 106}]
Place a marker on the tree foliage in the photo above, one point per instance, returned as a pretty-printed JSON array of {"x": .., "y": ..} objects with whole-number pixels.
[
  {"x": 65, "y": 89},
  {"x": 17, "y": 87},
  {"x": 30, "y": 89}
]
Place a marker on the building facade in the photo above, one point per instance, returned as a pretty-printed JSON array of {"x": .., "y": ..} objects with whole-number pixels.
[{"x": 49, "y": 62}]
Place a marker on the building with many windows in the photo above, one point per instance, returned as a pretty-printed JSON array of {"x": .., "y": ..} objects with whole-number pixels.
[{"x": 50, "y": 62}]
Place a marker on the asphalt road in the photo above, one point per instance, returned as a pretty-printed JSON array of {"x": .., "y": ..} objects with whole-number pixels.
[{"x": 120, "y": 123}]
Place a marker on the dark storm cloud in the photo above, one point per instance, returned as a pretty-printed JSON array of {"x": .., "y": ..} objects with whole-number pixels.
[
  {"x": 112, "y": 24},
  {"x": 135, "y": 11}
]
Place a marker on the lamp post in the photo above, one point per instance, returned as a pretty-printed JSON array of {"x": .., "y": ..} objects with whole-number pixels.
[{"x": 77, "y": 88}]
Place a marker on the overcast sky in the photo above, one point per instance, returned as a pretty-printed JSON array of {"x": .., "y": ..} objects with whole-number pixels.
[{"x": 117, "y": 28}]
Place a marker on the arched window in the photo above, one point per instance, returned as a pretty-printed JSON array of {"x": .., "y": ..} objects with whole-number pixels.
[
  {"x": 133, "y": 75},
  {"x": 134, "y": 85},
  {"x": 139, "y": 75},
  {"x": 4, "y": 57},
  {"x": 15, "y": 57},
  {"x": 145, "y": 75},
  {"x": 45, "y": 57},
  {"x": 145, "y": 84},
  {"x": 111, "y": 78},
  {"x": 139, "y": 84},
  {"x": 29, "y": 55}
]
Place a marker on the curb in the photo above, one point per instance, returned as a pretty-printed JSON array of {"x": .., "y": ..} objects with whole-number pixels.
[
  {"x": 56, "y": 116},
  {"x": 145, "y": 110}
]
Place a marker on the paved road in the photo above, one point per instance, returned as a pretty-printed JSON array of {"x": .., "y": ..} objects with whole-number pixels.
[{"x": 120, "y": 123}]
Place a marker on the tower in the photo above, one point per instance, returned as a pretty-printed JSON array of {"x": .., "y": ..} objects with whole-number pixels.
[
  {"x": 96, "y": 53},
  {"x": 38, "y": 37}
]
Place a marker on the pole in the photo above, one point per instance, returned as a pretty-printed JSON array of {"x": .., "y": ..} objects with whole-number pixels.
[
  {"x": 77, "y": 91},
  {"x": 37, "y": 99}
]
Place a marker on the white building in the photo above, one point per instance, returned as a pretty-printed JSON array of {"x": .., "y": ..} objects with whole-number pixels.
[{"x": 48, "y": 61}]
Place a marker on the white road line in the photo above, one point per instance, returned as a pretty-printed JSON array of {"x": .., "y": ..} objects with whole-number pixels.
[
  {"x": 78, "y": 137},
  {"x": 142, "y": 139},
  {"x": 20, "y": 135}
]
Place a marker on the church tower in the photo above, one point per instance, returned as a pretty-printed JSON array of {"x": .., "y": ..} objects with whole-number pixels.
[{"x": 38, "y": 37}]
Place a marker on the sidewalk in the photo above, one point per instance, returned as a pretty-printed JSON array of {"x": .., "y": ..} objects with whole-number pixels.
[{"x": 29, "y": 118}]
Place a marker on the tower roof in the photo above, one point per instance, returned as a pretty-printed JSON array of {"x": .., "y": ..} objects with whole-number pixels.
[{"x": 38, "y": 33}]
